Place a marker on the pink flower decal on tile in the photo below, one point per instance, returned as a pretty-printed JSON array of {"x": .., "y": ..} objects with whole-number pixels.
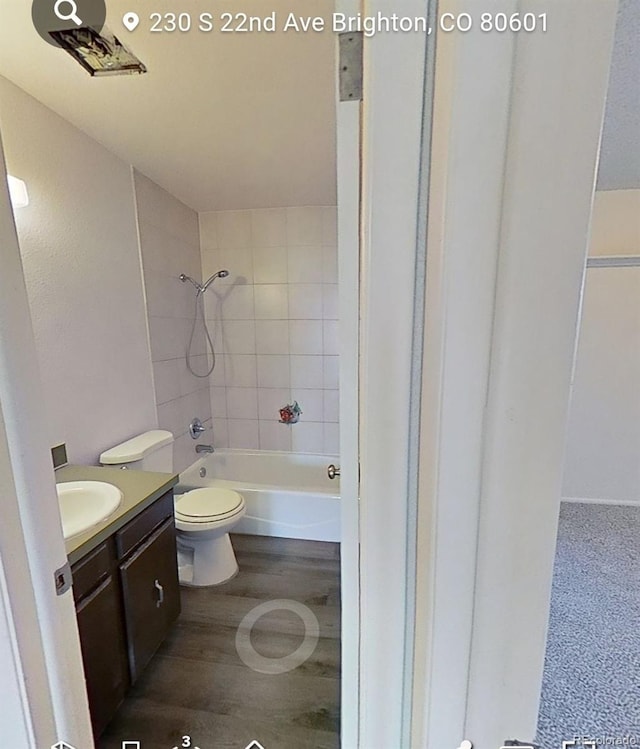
[{"x": 290, "y": 414}]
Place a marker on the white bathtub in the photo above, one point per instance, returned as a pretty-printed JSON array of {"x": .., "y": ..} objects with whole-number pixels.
[{"x": 286, "y": 494}]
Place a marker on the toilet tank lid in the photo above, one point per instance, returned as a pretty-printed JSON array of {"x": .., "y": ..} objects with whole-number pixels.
[{"x": 137, "y": 447}]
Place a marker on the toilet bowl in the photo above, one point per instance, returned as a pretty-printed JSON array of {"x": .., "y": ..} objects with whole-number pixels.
[{"x": 204, "y": 518}]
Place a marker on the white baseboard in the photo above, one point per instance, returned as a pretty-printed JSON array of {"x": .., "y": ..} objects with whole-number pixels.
[{"x": 602, "y": 501}]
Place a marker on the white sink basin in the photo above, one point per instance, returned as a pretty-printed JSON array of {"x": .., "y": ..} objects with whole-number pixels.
[{"x": 86, "y": 503}]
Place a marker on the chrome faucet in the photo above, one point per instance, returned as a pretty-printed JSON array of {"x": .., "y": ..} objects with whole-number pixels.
[
  {"x": 204, "y": 448},
  {"x": 196, "y": 428}
]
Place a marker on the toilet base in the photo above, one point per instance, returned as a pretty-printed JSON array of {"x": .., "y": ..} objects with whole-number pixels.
[{"x": 206, "y": 562}]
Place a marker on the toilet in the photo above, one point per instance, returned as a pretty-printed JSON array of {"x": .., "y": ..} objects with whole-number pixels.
[{"x": 204, "y": 517}]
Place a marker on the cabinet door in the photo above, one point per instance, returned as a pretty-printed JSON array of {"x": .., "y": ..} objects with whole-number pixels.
[
  {"x": 151, "y": 595},
  {"x": 103, "y": 652}
]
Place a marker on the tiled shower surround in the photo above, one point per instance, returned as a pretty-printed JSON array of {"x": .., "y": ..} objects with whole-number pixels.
[
  {"x": 274, "y": 324},
  {"x": 170, "y": 245}
]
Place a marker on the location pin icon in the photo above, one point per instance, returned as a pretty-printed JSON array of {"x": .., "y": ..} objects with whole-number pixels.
[{"x": 130, "y": 20}]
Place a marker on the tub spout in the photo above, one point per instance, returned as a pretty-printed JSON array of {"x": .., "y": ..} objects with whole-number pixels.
[{"x": 204, "y": 448}]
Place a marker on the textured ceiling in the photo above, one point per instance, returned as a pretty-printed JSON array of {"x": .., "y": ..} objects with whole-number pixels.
[
  {"x": 620, "y": 151},
  {"x": 222, "y": 120}
]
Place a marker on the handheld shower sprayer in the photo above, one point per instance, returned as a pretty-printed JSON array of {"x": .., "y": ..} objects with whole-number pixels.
[
  {"x": 184, "y": 278},
  {"x": 199, "y": 310},
  {"x": 202, "y": 287},
  {"x": 211, "y": 279}
]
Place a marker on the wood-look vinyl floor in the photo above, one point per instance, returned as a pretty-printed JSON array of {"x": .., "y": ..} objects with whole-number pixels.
[{"x": 197, "y": 685}]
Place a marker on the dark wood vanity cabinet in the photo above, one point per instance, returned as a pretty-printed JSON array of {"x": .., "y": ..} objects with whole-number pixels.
[
  {"x": 127, "y": 598},
  {"x": 96, "y": 591},
  {"x": 150, "y": 588},
  {"x": 103, "y": 652}
]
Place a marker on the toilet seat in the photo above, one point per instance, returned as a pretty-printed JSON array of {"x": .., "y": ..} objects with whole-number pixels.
[
  {"x": 208, "y": 505},
  {"x": 204, "y": 518}
]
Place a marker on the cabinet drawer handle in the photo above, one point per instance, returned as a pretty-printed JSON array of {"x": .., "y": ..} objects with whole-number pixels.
[{"x": 160, "y": 590}]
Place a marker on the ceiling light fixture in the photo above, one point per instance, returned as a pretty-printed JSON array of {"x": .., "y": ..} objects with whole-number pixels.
[{"x": 99, "y": 54}]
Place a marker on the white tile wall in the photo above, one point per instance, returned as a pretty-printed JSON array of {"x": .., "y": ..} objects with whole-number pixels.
[
  {"x": 330, "y": 373},
  {"x": 308, "y": 437},
  {"x": 331, "y": 404},
  {"x": 306, "y": 371},
  {"x": 234, "y": 229},
  {"x": 304, "y": 226},
  {"x": 220, "y": 433},
  {"x": 276, "y": 436},
  {"x": 170, "y": 245},
  {"x": 243, "y": 433},
  {"x": 240, "y": 370},
  {"x": 239, "y": 336},
  {"x": 275, "y": 320},
  {"x": 269, "y": 227},
  {"x": 233, "y": 302},
  {"x": 306, "y": 336},
  {"x": 270, "y": 265},
  {"x": 330, "y": 301},
  {"x": 305, "y": 301},
  {"x": 273, "y": 372},
  {"x": 330, "y": 343},
  {"x": 243, "y": 402},
  {"x": 305, "y": 264},
  {"x": 219, "y": 402},
  {"x": 271, "y": 301},
  {"x": 272, "y": 336}
]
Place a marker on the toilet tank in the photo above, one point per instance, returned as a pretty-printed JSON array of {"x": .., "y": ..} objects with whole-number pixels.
[{"x": 151, "y": 451}]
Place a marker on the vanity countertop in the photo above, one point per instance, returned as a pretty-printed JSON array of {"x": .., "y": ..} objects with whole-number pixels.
[{"x": 139, "y": 488}]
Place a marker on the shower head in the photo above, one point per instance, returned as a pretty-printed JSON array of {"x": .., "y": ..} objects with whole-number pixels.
[
  {"x": 211, "y": 279},
  {"x": 202, "y": 287},
  {"x": 184, "y": 278}
]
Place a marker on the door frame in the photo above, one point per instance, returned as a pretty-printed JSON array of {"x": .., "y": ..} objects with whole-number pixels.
[
  {"x": 348, "y": 170},
  {"x": 496, "y": 384},
  {"x": 392, "y": 159}
]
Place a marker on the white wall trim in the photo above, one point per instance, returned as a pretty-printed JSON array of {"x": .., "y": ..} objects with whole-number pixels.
[
  {"x": 602, "y": 501},
  {"x": 614, "y": 261},
  {"x": 414, "y": 655},
  {"x": 471, "y": 114},
  {"x": 392, "y": 132},
  {"x": 348, "y": 163}
]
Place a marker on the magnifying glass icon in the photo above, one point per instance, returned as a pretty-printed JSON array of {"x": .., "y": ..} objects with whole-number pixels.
[{"x": 72, "y": 15}]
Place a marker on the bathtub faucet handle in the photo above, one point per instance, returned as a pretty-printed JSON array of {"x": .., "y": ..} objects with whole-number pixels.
[{"x": 196, "y": 428}]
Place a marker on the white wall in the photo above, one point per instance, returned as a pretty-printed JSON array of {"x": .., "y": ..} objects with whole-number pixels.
[
  {"x": 170, "y": 245},
  {"x": 615, "y": 223},
  {"x": 274, "y": 320},
  {"x": 80, "y": 255},
  {"x": 45, "y": 643},
  {"x": 603, "y": 441}
]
